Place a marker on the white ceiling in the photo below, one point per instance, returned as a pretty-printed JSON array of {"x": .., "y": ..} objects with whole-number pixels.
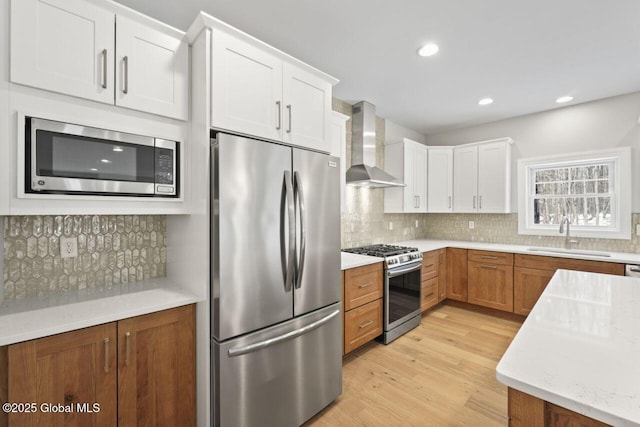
[{"x": 523, "y": 54}]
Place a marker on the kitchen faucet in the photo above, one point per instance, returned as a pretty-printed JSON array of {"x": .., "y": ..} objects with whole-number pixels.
[{"x": 568, "y": 241}]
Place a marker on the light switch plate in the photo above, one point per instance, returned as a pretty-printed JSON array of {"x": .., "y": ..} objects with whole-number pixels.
[
  {"x": 472, "y": 225},
  {"x": 68, "y": 247}
]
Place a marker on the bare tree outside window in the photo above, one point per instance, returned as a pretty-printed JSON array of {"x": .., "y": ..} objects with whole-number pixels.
[{"x": 583, "y": 193}]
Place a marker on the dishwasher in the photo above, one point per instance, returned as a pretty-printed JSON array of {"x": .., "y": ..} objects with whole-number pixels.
[{"x": 632, "y": 270}]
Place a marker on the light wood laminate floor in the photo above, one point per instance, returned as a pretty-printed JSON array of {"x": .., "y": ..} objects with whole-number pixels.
[{"x": 439, "y": 374}]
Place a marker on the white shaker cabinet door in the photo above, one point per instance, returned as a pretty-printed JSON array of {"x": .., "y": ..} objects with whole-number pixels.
[
  {"x": 246, "y": 88},
  {"x": 420, "y": 177},
  {"x": 465, "y": 179},
  {"x": 64, "y": 46},
  {"x": 152, "y": 70},
  {"x": 306, "y": 109},
  {"x": 494, "y": 187},
  {"x": 440, "y": 180}
]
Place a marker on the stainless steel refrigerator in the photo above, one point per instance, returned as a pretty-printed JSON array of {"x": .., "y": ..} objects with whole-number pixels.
[{"x": 275, "y": 283}]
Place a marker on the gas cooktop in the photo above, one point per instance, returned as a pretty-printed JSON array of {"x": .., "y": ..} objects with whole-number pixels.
[{"x": 381, "y": 250}]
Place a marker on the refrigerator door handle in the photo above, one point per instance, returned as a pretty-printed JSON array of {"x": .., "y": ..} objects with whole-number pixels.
[
  {"x": 299, "y": 193},
  {"x": 291, "y": 258},
  {"x": 239, "y": 351}
]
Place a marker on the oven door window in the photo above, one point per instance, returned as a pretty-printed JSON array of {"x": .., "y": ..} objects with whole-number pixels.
[
  {"x": 404, "y": 295},
  {"x": 71, "y": 156}
]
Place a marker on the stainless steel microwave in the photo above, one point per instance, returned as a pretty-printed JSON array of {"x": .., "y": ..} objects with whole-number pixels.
[{"x": 72, "y": 159}]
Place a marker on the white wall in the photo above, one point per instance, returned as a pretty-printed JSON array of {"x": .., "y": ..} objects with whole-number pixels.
[
  {"x": 606, "y": 123},
  {"x": 394, "y": 133}
]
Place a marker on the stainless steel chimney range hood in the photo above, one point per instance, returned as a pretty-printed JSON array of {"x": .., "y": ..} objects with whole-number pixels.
[{"x": 363, "y": 170}]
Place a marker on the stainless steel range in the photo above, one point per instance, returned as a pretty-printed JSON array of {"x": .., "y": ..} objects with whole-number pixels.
[{"x": 401, "y": 287}]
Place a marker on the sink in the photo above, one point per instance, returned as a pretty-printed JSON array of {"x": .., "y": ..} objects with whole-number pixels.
[{"x": 570, "y": 252}]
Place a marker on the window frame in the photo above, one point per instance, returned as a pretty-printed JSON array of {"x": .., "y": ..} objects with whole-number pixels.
[{"x": 620, "y": 178}]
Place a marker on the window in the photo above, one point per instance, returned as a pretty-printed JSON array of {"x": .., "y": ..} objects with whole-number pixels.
[{"x": 591, "y": 190}]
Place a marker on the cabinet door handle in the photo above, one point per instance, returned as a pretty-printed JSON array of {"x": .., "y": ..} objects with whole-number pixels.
[
  {"x": 279, "y": 104},
  {"x": 479, "y": 202},
  {"x": 104, "y": 68},
  {"x": 106, "y": 355},
  {"x": 418, "y": 200},
  {"x": 366, "y": 285},
  {"x": 493, "y": 267},
  {"x": 127, "y": 349},
  {"x": 289, "y": 109},
  {"x": 365, "y": 324},
  {"x": 474, "y": 202},
  {"x": 449, "y": 202},
  {"x": 125, "y": 62}
]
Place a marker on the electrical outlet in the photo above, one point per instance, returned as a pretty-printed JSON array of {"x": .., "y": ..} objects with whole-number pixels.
[
  {"x": 638, "y": 229},
  {"x": 68, "y": 247},
  {"x": 472, "y": 225},
  {"x": 417, "y": 223},
  {"x": 390, "y": 225}
]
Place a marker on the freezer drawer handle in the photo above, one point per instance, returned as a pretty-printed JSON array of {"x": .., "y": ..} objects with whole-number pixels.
[{"x": 239, "y": 351}]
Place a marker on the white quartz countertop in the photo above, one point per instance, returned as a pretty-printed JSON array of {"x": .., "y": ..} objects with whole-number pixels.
[
  {"x": 32, "y": 318},
  {"x": 580, "y": 347},
  {"x": 350, "y": 260},
  {"x": 425, "y": 245}
]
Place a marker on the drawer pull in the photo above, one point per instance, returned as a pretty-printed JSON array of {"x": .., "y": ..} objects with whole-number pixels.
[
  {"x": 106, "y": 355},
  {"x": 366, "y": 285},
  {"x": 489, "y": 266},
  {"x": 365, "y": 324},
  {"x": 429, "y": 294},
  {"x": 429, "y": 265},
  {"x": 489, "y": 257}
]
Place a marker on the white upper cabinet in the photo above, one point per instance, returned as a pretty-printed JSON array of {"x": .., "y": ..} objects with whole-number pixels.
[
  {"x": 152, "y": 70},
  {"x": 64, "y": 46},
  {"x": 465, "y": 179},
  {"x": 246, "y": 88},
  {"x": 482, "y": 177},
  {"x": 69, "y": 47},
  {"x": 406, "y": 161},
  {"x": 307, "y": 108},
  {"x": 440, "y": 179},
  {"x": 257, "y": 90}
]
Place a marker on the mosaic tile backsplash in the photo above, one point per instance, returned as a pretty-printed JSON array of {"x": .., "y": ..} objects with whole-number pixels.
[{"x": 112, "y": 250}]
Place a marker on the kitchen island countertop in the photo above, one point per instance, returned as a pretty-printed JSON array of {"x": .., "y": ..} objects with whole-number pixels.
[{"x": 579, "y": 348}]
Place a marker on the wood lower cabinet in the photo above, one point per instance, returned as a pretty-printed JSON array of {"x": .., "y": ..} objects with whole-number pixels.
[
  {"x": 64, "y": 370},
  {"x": 490, "y": 280},
  {"x": 532, "y": 273},
  {"x": 525, "y": 410},
  {"x": 362, "y": 324},
  {"x": 156, "y": 372},
  {"x": 433, "y": 287},
  {"x": 529, "y": 283},
  {"x": 457, "y": 274},
  {"x": 141, "y": 371},
  {"x": 363, "y": 289}
]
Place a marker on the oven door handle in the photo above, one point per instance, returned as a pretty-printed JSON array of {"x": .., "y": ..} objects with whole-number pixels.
[{"x": 408, "y": 269}]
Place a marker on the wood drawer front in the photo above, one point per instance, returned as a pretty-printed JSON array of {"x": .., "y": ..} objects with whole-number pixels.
[
  {"x": 490, "y": 257},
  {"x": 553, "y": 263},
  {"x": 491, "y": 285},
  {"x": 362, "y": 285},
  {"x": 362, "y": 324},
  {"x": 430, "y": 262},
  {"x": 429, "y": 293}
]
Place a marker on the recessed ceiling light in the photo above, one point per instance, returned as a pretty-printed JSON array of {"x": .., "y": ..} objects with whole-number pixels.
[
  {"x": 564, "y": 99},
  {"x": 485, "y": 101},
  {"x": 105, "y": 160},
  {"x": 428, "y": 49}
]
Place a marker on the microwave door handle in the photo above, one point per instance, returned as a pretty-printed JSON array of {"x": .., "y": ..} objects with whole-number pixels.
[
  {"x": 299, "y": 195},
  {"x": 291, "y": 232}
]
